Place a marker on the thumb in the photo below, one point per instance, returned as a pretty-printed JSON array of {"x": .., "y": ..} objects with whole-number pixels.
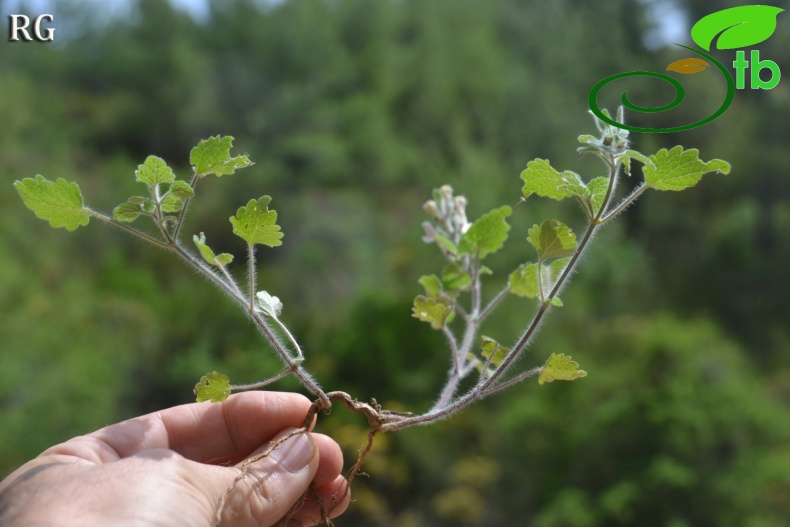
[{"x": 273, "y": 484}]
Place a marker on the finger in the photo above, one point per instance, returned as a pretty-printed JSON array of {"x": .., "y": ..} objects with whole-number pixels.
[
  {"x": 220, "y": 432},
  {"x": 272, "y": 484},
  {"x": 331, "y": 500},
  {"x": 330, "y": 460}
]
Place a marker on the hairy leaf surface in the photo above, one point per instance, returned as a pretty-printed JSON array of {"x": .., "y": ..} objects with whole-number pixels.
[
  {"x": 214, "y": 387},
  {"x": 59, "y": 202},
  {"x": 256, "y": 224},
  {"x": 560, "y": 367}
]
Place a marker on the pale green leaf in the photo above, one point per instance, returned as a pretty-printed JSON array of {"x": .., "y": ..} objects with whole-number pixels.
[
  {"x": 541, "y": 179},
  {"x": 212, "y": 156},
  {"x": 269, "y": 304},
  {"x": 487, "y": 234},
  {"x": 678, "y": 169},
  {"x": 154, "y": 171},
  {"x": 596, "y": 192},
  {"x": 493, "y": 351},
  {"x": 256, "y": 224},
  {"x": 552, "y": 239},
  {"x": 59, "y": 202},
  {"x": 132, "y": 209},
  {"x": 432, "y": 285},
  {"x": 446, "y": 243},
  {"x": 220, "y": 260},
  {"x": 213, "y": 387},
  {"x": 455, "y": 277},
  {"x": 173, "y": 200},
  {"x": 560, "y": 367},
  {"x": 524, "y": 280},
  {"x": 431, "y": 311}
]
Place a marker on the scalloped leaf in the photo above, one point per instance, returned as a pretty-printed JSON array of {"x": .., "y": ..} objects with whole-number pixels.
[
  {"x": 552, "y": 239},
  {"x": 542, "y": 179},
  {"x": 269, "y": 304},
  {"x": 212, "y": 156},
  {"x": 560, "y": 367},
  {"x": 678, "y": 169},
  {"x": 431, "y": 311},
  {"x": 487, "y": 234},
  {"x": 59, "y": 202},
  {"x": 214, "y": 387},
  {"x": 154, "y": 171},
  {"x": 256, "y": 224}
]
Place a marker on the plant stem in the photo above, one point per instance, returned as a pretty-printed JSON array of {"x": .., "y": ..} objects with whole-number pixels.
[
  {"x": 625, "y": 203},
  {"x": 183, "y": 213},
  {"x": 127, "y": 228},
  {"x": 251, "y": 276}
]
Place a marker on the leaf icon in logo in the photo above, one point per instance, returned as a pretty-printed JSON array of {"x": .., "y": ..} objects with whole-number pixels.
[
  {"x": 739, "y": 27},
  {"x": 688, "y": 66}
]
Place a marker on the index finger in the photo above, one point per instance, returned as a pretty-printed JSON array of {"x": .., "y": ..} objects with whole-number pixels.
[{"x": 203, "y": 432}]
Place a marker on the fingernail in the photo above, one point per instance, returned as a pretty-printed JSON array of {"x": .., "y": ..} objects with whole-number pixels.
[{"x": 296, "y": 453}]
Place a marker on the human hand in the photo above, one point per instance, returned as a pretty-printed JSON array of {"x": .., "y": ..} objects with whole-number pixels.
[{"x": 172, "y": 468}]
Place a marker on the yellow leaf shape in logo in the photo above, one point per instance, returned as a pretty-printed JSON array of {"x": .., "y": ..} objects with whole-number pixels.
[{"x": 688, "y": 66}]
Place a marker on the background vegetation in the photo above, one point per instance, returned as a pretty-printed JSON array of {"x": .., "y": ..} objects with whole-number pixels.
[{"x": 354, "y": 110}]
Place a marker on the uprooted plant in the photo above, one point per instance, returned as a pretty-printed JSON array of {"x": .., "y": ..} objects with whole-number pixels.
[{"x": 453, "y": 301}]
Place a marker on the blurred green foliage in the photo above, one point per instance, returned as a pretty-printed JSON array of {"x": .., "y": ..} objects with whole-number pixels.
[{"x": 353, "y": 110}]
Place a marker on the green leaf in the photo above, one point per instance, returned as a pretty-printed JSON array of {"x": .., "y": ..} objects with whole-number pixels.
[
  {"x": 560, "y": 367},
  {"x": 553, "y": 239},
  {"x": 212, "y": 156},
  {"x": 220, "y": 260},
  {"x": 455, "y": 277},
  {"x": 678, "y": 169},
  {"x": 268, "y": 304},
  {"x": 596, "y": 192},
  {"x": 256, "y": 224},
  {"x": 524, "y": 280},
  {"x": 487, "y": 234},
  {"x": 213, "y": 387},
  {"x": 494, "y": 350},
  {"x": 133, "y": 208},
  {"x": 431, "y": 311},
  {"x": 446, "y": 243},
  {"x": 59, "y": 202},
  {"x": 179, "y": 192},
  {"x": 432, "y": 285},
  {"x": 740, "y": 27},
  {"x": 541, "y": 179},
  {"x": 154, "y": 171}
]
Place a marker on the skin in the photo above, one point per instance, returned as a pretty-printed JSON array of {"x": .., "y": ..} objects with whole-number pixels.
[{"x": 171, "y": 468}]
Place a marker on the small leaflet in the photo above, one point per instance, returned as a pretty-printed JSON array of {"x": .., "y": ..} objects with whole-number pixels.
[
  {"x": 220, "y": 260},
  {"x": 494, "y": 351},
  {"x": 486, "y": 235},
  {"x": 268, "y": 304},
  {"x": 596, "y": 192},
  {"x": 552, "y": 239},
  {"x": 59, "y": 202},
  {"x": 154, "y": 171},
  {"x": 432, "y": 285},
  {"x": 173, "y": 200},
  {"x": 133, "y": 208},
  {"x": 214, "y": 387},
  {"x": 454, "y": 277},
  {"x": 560, "y": 367},
  {"x": 431, "y": 311},
  {"x": 212, "y": 156},
  {"x": 256, "y": 224},
  {"x": 524, "y": 280},
  {"x": 677, "y": 169}
]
